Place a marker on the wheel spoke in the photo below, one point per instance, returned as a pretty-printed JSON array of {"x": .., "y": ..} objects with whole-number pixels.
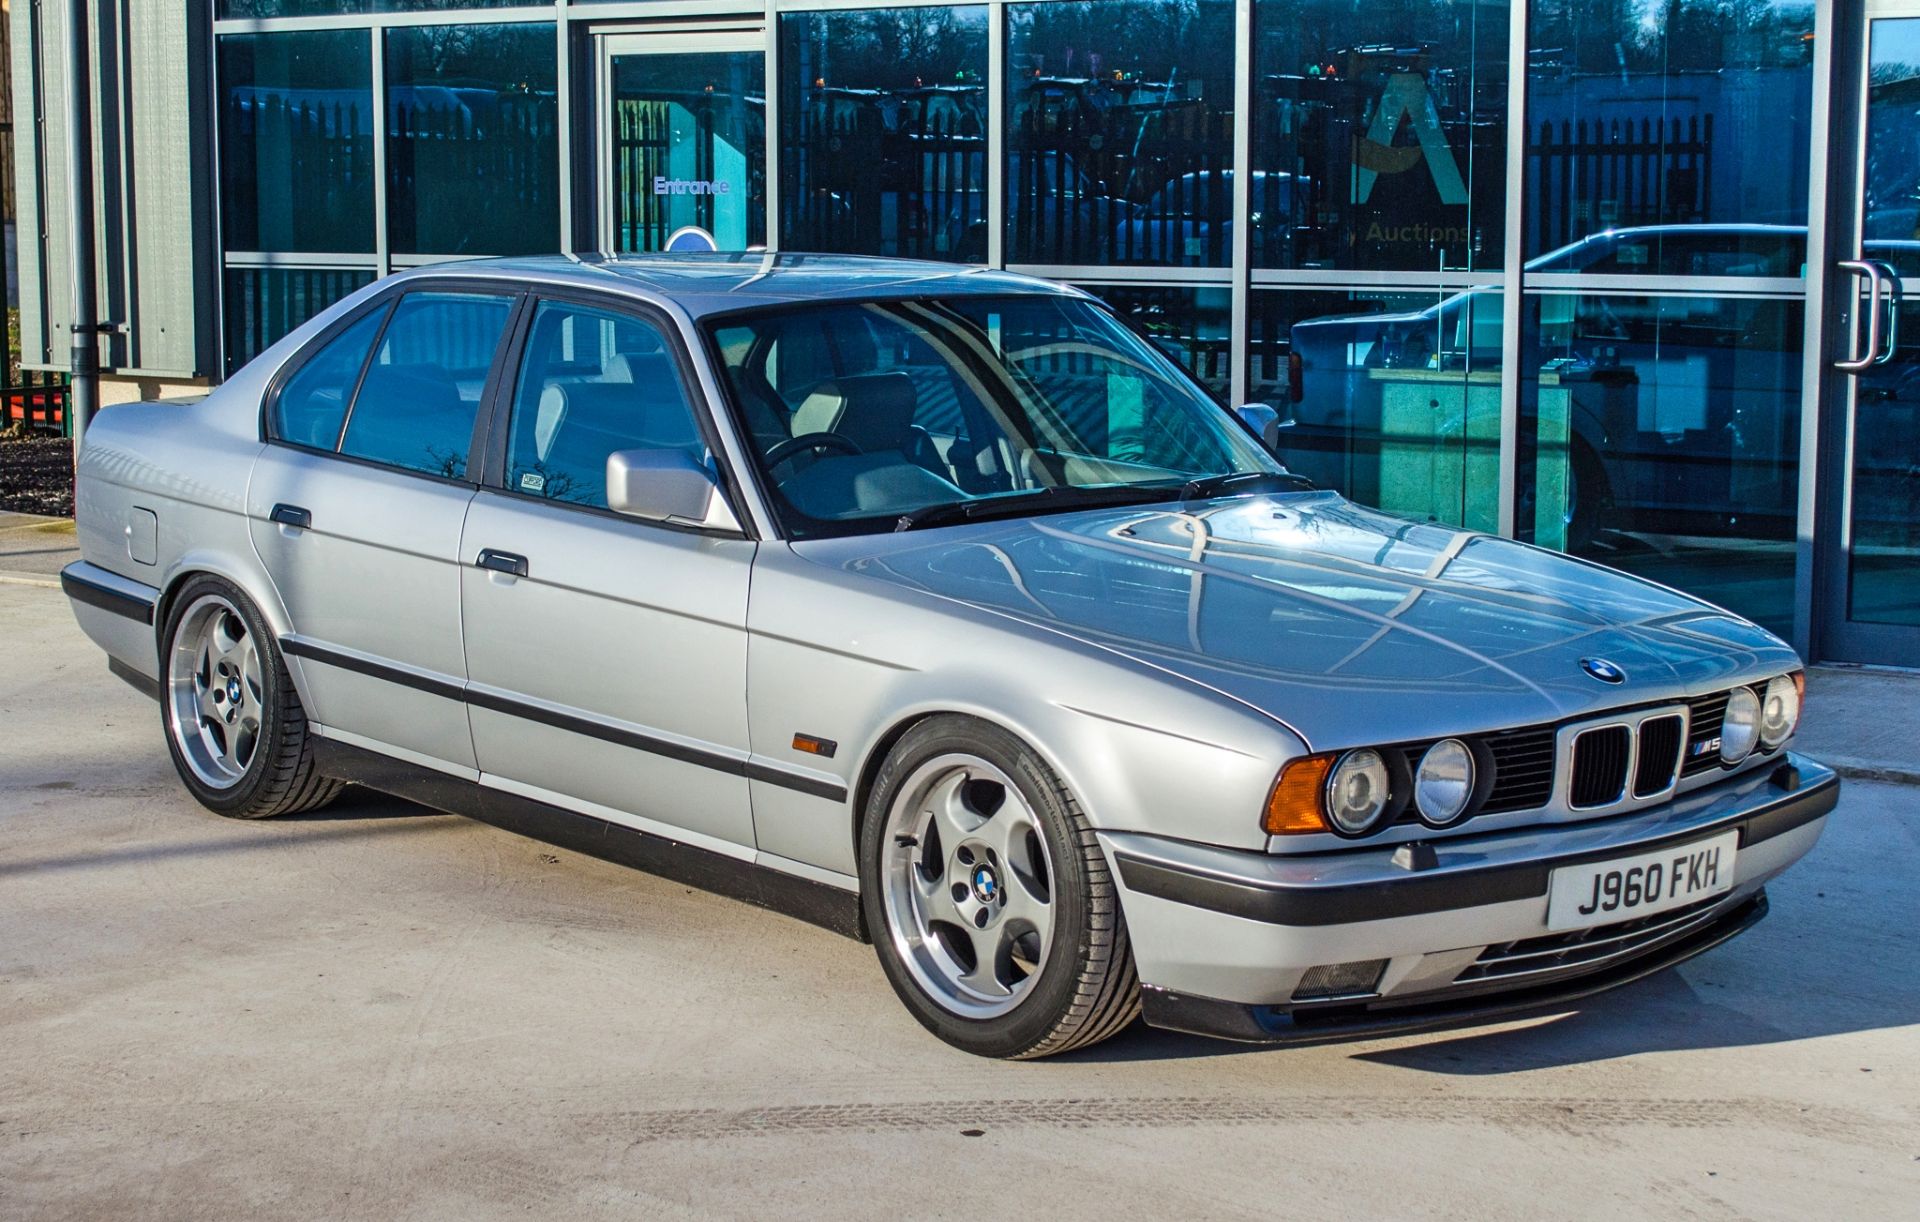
[
  {"x": 935, "y": 896},
  {"x": 209, "y": 708},
  {"x": 947, "y": 803},
  {"x": 250, "y": 688},
  {"x": 990, "y": 947},
  {"x": 230, "y": 749},
  {"x": 1027, "y": 906}
]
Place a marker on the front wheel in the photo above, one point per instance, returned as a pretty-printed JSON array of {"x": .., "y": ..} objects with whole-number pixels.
[
  {"x": 234, "y": 724},
  {"x": 992, "y": 908}
]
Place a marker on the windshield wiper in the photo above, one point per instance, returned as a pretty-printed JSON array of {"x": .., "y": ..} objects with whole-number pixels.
[
  {"x": 1056, "y": 499},
  {"x": 1245, "y": 481}
]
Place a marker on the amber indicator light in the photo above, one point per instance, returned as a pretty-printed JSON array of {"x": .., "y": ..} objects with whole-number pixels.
[
  {"x": 1298, "y": 796},
  {"x": 824, "y": 747}
]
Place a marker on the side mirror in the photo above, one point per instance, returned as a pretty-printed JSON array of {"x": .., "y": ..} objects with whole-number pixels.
[
  {"x": 666, "y": 486},
  {"x": 1266, "y": 421}
]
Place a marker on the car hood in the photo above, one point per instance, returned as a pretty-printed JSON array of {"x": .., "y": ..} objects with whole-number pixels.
[{"x": 1346, "y": 624}]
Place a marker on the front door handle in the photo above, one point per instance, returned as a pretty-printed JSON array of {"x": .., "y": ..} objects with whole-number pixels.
[
  {"x": 1890, "y": 301},
  {"x": 502, "y": 562},
  {"x": 1857, "y": 362},
  {"x": 292, "y": 515}
]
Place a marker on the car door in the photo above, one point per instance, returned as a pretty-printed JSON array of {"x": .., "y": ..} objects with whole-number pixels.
[
  {"x": 606, "y": 654},
  {"x": 356, "y": 507}
]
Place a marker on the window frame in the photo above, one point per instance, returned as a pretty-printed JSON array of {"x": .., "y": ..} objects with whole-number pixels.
[
  {"x": 387, "y": 300},
  {"x": 498, "y": 410}
]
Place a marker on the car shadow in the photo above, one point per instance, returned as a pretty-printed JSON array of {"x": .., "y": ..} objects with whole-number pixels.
[
  {"x": 357, "y": 803},
  {"x": 1831, "y": 970}
]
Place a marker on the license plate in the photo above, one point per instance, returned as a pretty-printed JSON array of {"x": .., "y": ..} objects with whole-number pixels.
[{"x": 1602, "y": 892}]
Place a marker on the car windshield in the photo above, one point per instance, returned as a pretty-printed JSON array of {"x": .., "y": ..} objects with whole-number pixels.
[{"x": 888, "y": 415}]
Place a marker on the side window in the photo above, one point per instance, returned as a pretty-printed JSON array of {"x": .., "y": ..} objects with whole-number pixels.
[
  {"x": 416, "y": 406},
  {"x": 592, "y": 382},
  {"x": 313, "y": 403}
]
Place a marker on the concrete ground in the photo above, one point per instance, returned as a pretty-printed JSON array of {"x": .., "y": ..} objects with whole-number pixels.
[
  {"x": 33, "y": 546},
  {"x": 381, "y": 1012}
]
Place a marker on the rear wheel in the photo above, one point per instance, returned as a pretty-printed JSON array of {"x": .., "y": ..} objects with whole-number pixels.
[
  {"x": 233, "y": 722},
  {"x": 993, "y": 911}
]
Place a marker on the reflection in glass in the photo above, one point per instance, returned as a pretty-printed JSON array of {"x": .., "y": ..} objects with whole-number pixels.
[
  {"x": 1193, "y": 327},
  {"x": 1682, "y": 113},
  {"x": 264, "y": 303},
  {"x": 689, "y": 148},
  {"x": 335, "y": 8},
  {"x": 1380, "y": 135},
  {"x": 894, "y": 415},
  {"x": 1884, "y": 539},
  {"x": 1120, "y": 132},
  {"x": 472, "y": 155},
  {"x": 884, "y": 132},
  {"x": 419, "y": 395},
  {"x": 1394, "y": 394},
  {"x": 1661, "y": 435},
  {"x": 296, "y": 142}
]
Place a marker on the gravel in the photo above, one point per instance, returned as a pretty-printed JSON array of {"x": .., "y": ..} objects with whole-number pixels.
[{"x": 36, "y": 475}]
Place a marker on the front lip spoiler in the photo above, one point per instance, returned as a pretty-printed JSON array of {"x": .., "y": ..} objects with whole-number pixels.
[
  {"x": 1253, "y": 1024},
  {"x": 1274, "y": 902}
]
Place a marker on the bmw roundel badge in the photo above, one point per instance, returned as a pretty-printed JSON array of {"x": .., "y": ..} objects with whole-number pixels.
[{"x": 1603, "y": 670}]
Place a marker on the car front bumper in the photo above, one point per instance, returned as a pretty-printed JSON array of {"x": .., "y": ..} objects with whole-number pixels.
[{"x": 1222, "y": 937}]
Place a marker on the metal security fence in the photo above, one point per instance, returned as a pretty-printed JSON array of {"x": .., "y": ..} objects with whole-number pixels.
[
  {"x": 1636, "y": 171},
  {"x": 321, "y": 146},
  {"x": 1100, "y": 175},
  {"x": 38, "y": 399},
  {"x": 264, "y": 303},
  {"x": 905, "y": 167},
  {"x": 494, "y": 153}
]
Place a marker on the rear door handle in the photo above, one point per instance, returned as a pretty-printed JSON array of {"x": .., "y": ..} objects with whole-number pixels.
[
  {"x": 292, "y": 515},
  {"x": 502, "y": 562}
]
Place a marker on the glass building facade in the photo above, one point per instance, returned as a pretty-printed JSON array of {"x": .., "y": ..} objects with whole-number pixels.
[{"x": 1535, "y": 267}]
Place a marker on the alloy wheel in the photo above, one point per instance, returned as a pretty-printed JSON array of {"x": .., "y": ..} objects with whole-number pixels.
[
  {"x": 968, "y": 884},
  {"x": 215, "y": 700}
]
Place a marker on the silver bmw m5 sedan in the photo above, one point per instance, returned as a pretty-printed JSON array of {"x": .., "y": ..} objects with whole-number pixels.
[{"x": 938, "y": 607}]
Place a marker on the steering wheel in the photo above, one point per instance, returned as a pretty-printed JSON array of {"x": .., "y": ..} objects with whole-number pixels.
[{"x": 794, "y": 447}]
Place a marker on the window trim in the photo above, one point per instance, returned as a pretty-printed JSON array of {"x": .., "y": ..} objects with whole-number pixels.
[
  {"x": 387, "y": 299},
  {"x": 507, "y": 387}
]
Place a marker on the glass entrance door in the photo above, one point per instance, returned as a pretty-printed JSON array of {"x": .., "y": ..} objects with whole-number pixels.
[
  {"x": 682, "y": 141},
  {"x": 1873, "y": 592}
]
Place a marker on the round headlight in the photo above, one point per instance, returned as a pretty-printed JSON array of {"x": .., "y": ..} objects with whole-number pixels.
[
  {"x": 1357, "y": 791},
  {"x": 1444, "y": 781},
  {"x": 1779, "y": 712},
  {"x": 1741, "y": 729}
]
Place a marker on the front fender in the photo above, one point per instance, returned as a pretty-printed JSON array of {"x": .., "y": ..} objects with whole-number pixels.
[{"x": 835, "y": 656}]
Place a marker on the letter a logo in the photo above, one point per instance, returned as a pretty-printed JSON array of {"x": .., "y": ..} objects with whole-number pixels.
[{"x": 1406, "y": 97}]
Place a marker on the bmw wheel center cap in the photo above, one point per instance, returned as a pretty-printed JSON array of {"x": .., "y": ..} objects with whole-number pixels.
[{"x": 986, "y": 888}]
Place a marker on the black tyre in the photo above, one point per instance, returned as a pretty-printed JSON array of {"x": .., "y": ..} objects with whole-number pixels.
[
  {"x": 233, "y": 722},
  {"x": 990, "y": 903}
]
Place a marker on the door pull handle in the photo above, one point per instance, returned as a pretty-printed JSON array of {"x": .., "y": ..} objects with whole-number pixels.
[
  {"x": 292, "y": 515},
  {"x": 502, "y": 562},
  {"x": 1856, "y": 362}
]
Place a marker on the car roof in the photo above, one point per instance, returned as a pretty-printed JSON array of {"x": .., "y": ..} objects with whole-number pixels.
[{"x": 706, "y": 283}]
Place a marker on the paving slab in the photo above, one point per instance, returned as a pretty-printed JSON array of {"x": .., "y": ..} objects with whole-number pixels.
[
  {"x": 381, "y": 1012},
  {"x": 1865, "y": 722}
]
